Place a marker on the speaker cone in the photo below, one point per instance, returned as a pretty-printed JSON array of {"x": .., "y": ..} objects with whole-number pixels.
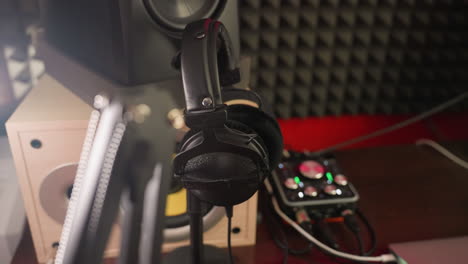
[
  {"x": 174, "y": 15},
  {"x": 55, "y": 192}
]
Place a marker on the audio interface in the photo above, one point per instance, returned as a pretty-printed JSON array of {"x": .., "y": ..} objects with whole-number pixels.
[{"x": 314, "y": 183}]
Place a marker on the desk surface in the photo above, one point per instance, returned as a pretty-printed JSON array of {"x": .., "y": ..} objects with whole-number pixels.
[{"x": 407, "y": 192}]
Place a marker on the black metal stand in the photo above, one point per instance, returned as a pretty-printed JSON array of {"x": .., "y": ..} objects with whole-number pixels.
[
  {"x": 196, "y": 253},
  {"x": 183, "y": 255},
  {"x": 196, "y": 228}
]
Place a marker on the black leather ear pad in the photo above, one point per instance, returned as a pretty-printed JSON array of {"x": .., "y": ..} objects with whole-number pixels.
[
  {"x": 264, "y": 125},
  {"x": 223, "y": 178}
]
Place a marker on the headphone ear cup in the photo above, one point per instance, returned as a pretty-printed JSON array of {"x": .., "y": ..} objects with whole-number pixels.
[
  {"x": 244, "y": 174},
  {"x": 264, "y": 126}
]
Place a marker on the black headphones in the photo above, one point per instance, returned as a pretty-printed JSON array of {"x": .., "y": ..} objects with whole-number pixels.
[{"x": 229, "y": 150}]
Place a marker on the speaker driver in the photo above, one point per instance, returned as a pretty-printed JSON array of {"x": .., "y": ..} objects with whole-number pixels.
[
  {"x": 174, "y": 15},
  {"x": 55, "y": 190}
]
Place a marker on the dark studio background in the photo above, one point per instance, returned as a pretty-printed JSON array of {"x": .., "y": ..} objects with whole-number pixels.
[{"x": 330, "y": 67}]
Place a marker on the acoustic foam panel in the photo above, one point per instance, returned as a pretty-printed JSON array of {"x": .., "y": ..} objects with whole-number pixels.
[{"x": 337, "y": 57}]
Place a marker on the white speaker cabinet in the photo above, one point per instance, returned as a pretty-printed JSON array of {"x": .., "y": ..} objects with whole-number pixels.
[{"x": 46, "y": 133}]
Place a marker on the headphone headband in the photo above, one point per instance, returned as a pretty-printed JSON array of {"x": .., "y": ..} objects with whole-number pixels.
[
  {"x": 205, "y": 43},
  {"x": 223, "y": 159}
]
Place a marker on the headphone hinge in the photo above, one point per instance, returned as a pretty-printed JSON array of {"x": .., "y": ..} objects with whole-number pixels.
[{"x": 207, "y": 119}]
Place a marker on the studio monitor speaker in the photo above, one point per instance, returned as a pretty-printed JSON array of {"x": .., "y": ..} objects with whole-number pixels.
[
  {"x": 46, "y": 133},
  {"x": 130, "y": 41}
]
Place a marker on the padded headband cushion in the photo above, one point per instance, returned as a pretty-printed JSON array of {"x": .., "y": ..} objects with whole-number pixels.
[{"x": 264, "y": 125}]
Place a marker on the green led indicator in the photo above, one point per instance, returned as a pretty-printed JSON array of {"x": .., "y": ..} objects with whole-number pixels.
[
  {"x": 297, "y": 180},
  {"x": 329, "y": 176}
]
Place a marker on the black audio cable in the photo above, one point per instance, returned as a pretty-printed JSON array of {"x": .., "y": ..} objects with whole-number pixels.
[
  {"x": 279, "y": 236},
  {"x": 322, "y": 229},
  {"x": 352, "y": 223},
  {"x": 304, "y": 221},
  {"x": 360, "y": 244},
  {"x": 278, "y": 232},
  {"x": 385, "y": 258},
  {"x": 229, "y": 217},
  {"x": 371, "y": 231},
  {"x": 292, "y": 251},
  {"x": 274, "y": 226},
  {"x": 302, "y": 218}
]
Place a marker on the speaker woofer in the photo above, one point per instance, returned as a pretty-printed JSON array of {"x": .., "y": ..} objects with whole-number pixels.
[
  {"x": 173, "y": 15},
  {"x": 55, "y": 192}
]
